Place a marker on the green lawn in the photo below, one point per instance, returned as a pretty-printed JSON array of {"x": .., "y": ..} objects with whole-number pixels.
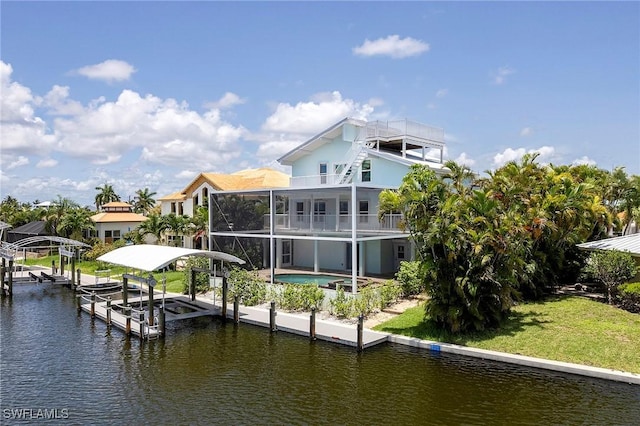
[
  {"x": 570, "y": 329},
  {"x": 175, "y": 279}
]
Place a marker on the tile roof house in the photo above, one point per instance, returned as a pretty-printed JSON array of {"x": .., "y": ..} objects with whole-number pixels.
[
  {"x": 196, "y": 193},
  {"x": 115, "y": 220}
]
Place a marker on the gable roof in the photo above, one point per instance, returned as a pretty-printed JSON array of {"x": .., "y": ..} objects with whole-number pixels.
[
  {"x": 628, "y": 243},
  {"x": 260, "y": 178},
  {"x": 116, "y": 204},
  {"x": 318, "y": 140}
]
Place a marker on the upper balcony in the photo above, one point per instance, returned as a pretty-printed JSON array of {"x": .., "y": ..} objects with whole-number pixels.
[{"x": 334, "y": 223}]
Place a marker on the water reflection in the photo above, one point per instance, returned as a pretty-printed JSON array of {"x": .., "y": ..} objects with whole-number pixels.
[{"x": 207, "y": 372}]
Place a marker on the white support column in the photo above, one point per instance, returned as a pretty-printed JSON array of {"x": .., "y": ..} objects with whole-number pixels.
[
  {"x": 311, "y": 209},
  {"x": 424, "y": 153},
  {"x": 354, "y": 240},
  {"x": 337, "y": 215},
  {"x": 316, "y": 262},
  {"x": 404, "y": 148},
  {"x": 361, "y": 256},
  {"x": 278, "y": 254},
  {"x": 272, "y": 223}
]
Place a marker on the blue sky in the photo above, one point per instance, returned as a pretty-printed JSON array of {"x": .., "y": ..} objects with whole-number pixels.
[{"x": 148, "y": 94}]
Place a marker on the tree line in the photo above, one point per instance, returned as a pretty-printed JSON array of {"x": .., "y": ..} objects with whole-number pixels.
[{"x": 485, "y": 243}]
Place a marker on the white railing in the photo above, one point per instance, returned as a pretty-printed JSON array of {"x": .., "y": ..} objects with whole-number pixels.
[
  {"x": 401, "y": 128},
  {"x": 332, "y": 222},
  {"x": 314, "y": 180}
]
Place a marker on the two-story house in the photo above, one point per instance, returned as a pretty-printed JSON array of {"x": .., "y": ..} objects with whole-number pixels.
[
  {"x": 327, "y": 220},
  {"x": 196, "y": 194},
  {"x": 115, "y": 220}
]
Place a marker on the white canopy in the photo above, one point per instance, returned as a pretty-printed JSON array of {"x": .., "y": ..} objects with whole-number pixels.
[{"x": 148, "y": 257}]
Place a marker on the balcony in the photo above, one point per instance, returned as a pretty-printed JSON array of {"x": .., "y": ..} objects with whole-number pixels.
[
  {"x": 334, "y": 223},
  {"x": 314, "y": 180}
]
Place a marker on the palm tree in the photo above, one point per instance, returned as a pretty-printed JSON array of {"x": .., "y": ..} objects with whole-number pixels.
[
  {"x": 144, "y": 201},
  {"x": 154, "y": 225},
  {"x": 200, "y": 226},
  {"x": 105, "y": 195},
  {"x": 177, "y": 226},
  {"x": 57, "y": 211},
  {"x": 74, "y": 222}
]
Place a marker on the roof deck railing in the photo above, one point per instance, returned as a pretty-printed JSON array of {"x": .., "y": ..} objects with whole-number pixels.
[{"x": 397, "y": 129}]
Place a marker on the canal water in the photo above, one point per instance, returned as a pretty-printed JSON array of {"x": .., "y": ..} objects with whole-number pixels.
[{"x": 57, "y": 363}]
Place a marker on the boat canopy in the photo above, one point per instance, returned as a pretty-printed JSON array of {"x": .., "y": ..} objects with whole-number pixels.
[{"x": 149, "y": 257}]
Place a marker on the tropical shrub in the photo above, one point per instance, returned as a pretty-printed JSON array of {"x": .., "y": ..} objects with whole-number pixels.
[
  {"x": 101, "y": 248},
  {"x": 342, "y": 305},
  {"x": 248, "y": 286},
  {"x": 411, "y": 277},
  {"x": 389, "y": 292},
  {"x": 299, "y": 297},
  {"x": 630, "y": 297},
  {"x": 612, "y": 268},
  {"x": 202, "y": 279}
]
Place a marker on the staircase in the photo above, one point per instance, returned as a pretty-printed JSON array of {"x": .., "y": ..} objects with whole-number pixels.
[{"x": 358, "y": 155}]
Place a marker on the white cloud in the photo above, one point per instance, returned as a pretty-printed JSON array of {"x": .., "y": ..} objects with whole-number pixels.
[
  {"x": 431, "y": 105},
  {"x": 500, "y": 76},
  {"x": 228, "y": 100},
  {"x": 465, "y": 160},
  {"x": 546, "y": 154},
  {"x": 584, "y": 161},
  {"x": 110, "y": 70},
  {"x": 17, "y": 162},
  {"x": 375, "y": 102},
  {"x": 442, "y": 93},
  {"x": 186, "y": 174},
  {"x": 526, "y": 131},
  {"x": 392, "y": 46},
  {"x": 59, "y": 103},
  {"x": 289, "y": 125},
  {"x": 21, "y": 131},
  {"x": 49, "y": 162}
]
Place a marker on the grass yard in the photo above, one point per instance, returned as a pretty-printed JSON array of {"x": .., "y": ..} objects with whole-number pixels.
[{"x": 570, "y": 329}]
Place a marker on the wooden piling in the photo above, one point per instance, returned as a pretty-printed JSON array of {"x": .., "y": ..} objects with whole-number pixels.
[
  {"x": 141, "y": 319},
  {"x": 53, "y": 267},
  {"x": 73, "y": 275},
  {"x": 360, "y": 328},
  {"x": 109, "y": 311},
  {"x": 312, "y": 324},
  {"x": 93, "y": 304},
  {"x": 78, "y": 277},
  {"x": 127, "y": 315},
  {"x": 236, "y": 309},
  {"x": 161, "y": 320},
  {"x": 151, "y": 319},
  {"x": 272, "y": 316},
  {"x": 10, "y": 280},
  {"x": 3, "y": 269},
  {"x": 125, "y": 290},
  {"x": 63, "y": 260},
  {"x": 225, "y": 293}
]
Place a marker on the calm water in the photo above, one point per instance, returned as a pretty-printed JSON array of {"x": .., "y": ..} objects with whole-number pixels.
[{"x": 209, "y": 373}]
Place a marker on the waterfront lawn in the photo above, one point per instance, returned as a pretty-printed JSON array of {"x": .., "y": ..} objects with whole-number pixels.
[
  {"x": 174, "y": 278},
  {"x": 569, "y": 329}
]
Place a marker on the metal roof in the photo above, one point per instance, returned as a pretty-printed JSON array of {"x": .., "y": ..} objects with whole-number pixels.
[
  {"x": 149, "y": 257},
  {"x": 628, "y": 243}
]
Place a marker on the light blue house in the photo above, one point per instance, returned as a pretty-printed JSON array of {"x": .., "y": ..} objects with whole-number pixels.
[{"x": 327, "y": 220}]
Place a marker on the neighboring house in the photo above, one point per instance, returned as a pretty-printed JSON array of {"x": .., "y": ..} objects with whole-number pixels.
[
  {"x": 328, "y": 218},
  {"x": 196, "y": 194},
  {"x": 36, "y": 228},
  {"x": 115, "y": 220}
]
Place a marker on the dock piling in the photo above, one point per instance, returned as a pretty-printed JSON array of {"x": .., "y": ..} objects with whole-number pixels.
[
  {"x": 312, "y": 324},
  {"x": 10, "y": 280},
  {"x": 161, "y": 320},
  {"x": 93, "y": 304},
  {"x": 225, "y": 294},
  {"x": 79, "y": 275},
  {"x": 141, "y": 319},
  {"x": 108, "y": 311},
  {"x": 272, "y": 316},
  {"x": 127, "y": 315},
  {"x": 359, "y": 343},
  {"x": 236, "y": 309}
]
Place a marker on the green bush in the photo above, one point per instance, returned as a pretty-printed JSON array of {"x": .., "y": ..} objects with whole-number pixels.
[
  {"x": 411, "y": 277},
  {"x": 299, "y": 297},
  {"x": 342, "y": 305},
  {"x": 101, "y": 248},
  {"x": 389, "y": 292},
  {"x": 630, "y": 297},
  {"x": 202, "y": 279},
  {"x": 248, "y": 286}
]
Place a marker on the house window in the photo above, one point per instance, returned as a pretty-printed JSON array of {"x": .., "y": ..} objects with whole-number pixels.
[
  {"x": 344, "y": 208},
  {"x": 173, "y": 208},
  {"x": 363, "y": 210},
  {"x": 180, "y": 209},
  {"x": 400, "y": 252},
  {"x": 323, "y": 173},
  {"x": 366, "y": 171},
  {"x": 319, "y": 210},
  {"x": 300, "y": 211},
  {"x": 195, "y": 201},
  {"x": 111, "y": 236}
]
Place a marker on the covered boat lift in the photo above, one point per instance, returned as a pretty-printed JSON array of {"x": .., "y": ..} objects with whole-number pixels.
[{"x": 149, "y": 258}]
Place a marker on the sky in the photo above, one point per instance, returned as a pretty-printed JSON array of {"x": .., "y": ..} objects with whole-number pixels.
[{"x": 149, "y": 94}]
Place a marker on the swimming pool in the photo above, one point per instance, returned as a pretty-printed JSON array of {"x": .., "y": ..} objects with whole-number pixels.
[{"x": 301, "y": 278}]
